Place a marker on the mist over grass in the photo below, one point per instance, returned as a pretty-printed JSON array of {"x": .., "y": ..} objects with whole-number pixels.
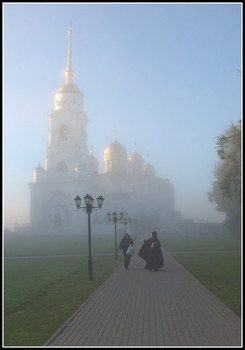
[
  {"x": 20, "y": 245},
  {"x": 197, "y": 242},
  {"x": 44, "y": 245}
]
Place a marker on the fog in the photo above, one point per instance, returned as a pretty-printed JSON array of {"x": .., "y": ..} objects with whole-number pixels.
[{"x": 170, "y": 91}]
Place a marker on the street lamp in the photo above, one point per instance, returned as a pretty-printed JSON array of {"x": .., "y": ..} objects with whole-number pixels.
[
  {"x": 114, "y": 216},
  {"x": 89, "y": 207}
]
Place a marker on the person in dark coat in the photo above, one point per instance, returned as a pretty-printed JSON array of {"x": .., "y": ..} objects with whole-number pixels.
[
  {"x": 124, "y": 244},
  {"x": 151, "y": 252}
]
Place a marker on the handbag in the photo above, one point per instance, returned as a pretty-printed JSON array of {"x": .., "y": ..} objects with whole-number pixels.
[{"x": 130, "y": 250}]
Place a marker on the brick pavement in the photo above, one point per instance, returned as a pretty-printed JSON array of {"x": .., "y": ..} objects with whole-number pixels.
[{"x": 142, "y": 308}]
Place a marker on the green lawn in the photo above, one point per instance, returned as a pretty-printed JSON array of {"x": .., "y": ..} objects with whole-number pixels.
[
  {"x": 41, "y": 294},
  {"x": 27, "y": 245},
  {"x": 219, "y": 272},
  {"x": 197, "y": 242}
]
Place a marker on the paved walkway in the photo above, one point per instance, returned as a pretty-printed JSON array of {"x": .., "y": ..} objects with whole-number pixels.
[{"x": 142, "y": 308}]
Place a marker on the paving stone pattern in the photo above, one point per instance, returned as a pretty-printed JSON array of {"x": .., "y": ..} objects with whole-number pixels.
[{"x": 142, "y": 308}]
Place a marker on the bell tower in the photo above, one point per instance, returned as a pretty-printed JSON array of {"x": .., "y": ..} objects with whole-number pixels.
[{"x": 67, "y": 144}]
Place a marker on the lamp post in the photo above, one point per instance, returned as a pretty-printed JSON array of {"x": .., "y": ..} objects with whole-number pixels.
[
  {"x": 115, "y": 218},
  {"x": 89, "y": 207}
]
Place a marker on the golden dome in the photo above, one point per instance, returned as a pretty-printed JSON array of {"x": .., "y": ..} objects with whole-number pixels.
[
  {"x": 149, "y": 169},
  {"x": 69, "y": 88},
  {"x": 39, "y": 169},
  {"x": 135, "y": 157},
  {"x": 115, "y": 147}
]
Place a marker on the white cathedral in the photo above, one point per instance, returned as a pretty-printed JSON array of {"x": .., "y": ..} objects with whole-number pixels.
[{"x": 127, "y": 184}]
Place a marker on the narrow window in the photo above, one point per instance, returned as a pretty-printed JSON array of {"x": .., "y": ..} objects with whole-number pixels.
[{"x": 63, "y": 132}]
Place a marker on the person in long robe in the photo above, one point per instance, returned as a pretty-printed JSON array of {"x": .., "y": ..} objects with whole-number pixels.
[
  {"x": 151, "y": 252},
  {"x": 124, "y": 244}
]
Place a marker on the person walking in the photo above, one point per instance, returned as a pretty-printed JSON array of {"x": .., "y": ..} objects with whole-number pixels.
[
  {"x": 124, "y": 244},
  {"x": 151, "y": 252}
]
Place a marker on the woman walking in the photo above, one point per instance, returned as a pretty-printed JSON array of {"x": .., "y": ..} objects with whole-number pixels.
[{"x": 124, "y": 244}]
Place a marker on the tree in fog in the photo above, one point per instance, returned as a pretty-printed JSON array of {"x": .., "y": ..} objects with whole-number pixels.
[{"x": 226, "y": 190}]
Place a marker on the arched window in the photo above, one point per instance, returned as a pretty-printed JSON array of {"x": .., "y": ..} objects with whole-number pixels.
[
  {"x": 63, "y": 132},
  {"x": 61, "y": 167}
]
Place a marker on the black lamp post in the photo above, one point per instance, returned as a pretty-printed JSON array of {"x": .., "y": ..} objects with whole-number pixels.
[
  {"x": 115, "y": 218},
  {"x": 89, "y": 207}
]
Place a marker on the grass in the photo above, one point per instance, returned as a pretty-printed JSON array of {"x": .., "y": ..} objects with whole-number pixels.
[
  {"x": 220, "y": 273},
  {"x": 26, "y": 245},
  {"x": 40, "y": 295},
  {"x": 197, "y": 242}
]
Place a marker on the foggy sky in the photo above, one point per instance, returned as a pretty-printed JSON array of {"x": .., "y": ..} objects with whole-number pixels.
[{"x": 164, "y": 76}]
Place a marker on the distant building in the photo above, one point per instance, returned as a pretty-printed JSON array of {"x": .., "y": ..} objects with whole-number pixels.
[{"x": 127, "y": 183}]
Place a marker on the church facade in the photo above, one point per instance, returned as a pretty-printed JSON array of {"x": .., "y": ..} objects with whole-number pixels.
[{"x": 127, "y": 184}]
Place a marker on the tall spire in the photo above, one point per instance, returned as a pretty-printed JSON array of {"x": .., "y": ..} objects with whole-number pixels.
[{"x": 69, "y": 73}]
